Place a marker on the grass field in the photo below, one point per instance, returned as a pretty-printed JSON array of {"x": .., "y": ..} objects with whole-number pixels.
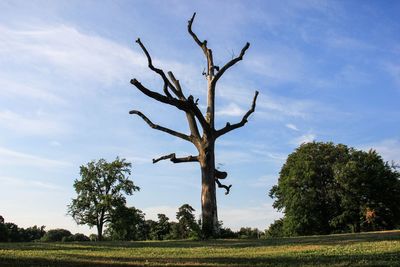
[{"x": 367, "y": 249}]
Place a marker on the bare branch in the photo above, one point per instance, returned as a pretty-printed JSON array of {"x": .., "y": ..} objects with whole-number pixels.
[
  {"x": 230, "y": 63},
  {"x": 177, "y": 84},
  {"x": 227, "y": 187},
  {"x": 160, "y": 128},
  {"x": 203, "y": 44},
  {"x": 172, "y": 157},
  {"x": 155, "y": 95},
  {"x": 167, "y": 83},
  {"x": 229, "y": 127},
  {"x": 186, "y": 105}
]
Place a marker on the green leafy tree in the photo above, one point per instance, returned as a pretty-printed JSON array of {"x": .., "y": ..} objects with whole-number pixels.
[
  {"x": 187, "y": 226},
  {"x": 323, "y": 188},
  {"x": 306, "y": 188},
  {"x": 127, "y": 224},
  {"x": 101, "y": 190},
  {"x": 370, "y": 193},
  {"x": 162, "y": 228},
  {"x": 3, "y": 230}
]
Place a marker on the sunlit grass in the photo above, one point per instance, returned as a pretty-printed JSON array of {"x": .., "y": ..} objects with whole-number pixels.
[{"x": 368, "y": 249}]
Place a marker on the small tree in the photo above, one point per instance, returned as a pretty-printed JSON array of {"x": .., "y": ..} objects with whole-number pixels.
[
  {"x": 187, "y": 225},
  {"x": 100, "y": 191},
  {"x": 162, "y": 227},
  {"x": 127, "y": 224}
]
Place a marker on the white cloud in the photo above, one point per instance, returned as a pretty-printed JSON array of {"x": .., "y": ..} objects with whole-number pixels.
[
  {"x": 389, "y": 149},
  {"x": 305, "y": 138},
  {"x": 269, "y": 106},
  {"x": 75, "y": 54},
  {"x": 11, "y": 157},
  {"x": 16, "y": 182},
  {"x": 279, "y": 65},
  {"x": 292, "y": 127},
  {"x": 231, "y": 110},
  {"x": 22, "y": 90},
  {"x": 33, "y": 124}
]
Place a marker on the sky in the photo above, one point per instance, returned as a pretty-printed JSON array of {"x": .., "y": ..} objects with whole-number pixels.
[{"x": 325, "y": 70}]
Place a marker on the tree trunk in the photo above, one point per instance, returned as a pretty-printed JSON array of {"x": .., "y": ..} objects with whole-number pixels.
[
  {"x": 208, "y": 193},
  {"x": 100, "y": 232}
]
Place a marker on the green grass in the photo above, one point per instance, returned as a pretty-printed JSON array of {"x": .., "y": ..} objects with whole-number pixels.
[{"x": 367, "y": 249}]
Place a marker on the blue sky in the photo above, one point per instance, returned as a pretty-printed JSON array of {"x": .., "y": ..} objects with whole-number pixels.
[{"x": 326, "y": 71}]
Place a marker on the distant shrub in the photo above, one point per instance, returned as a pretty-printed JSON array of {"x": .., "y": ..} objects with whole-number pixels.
[
  {"x": 75, "y": 238},
  {"x": 55, "y": 235},
  {"x": 93, "y": 237}
]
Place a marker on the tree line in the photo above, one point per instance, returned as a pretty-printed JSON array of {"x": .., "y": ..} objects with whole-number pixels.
[{"x": 127, "y": 224}]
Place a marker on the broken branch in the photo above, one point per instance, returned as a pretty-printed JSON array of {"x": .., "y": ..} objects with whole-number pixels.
[
  {"x": 227, "y": 187},
  {"x": 160, "y": 128},
  {"x": 229, "y": 127},
  {"x": 230, "y": 63},
  {"x": 172, "y": 157}
]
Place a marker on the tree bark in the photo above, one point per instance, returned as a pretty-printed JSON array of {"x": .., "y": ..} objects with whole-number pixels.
[
  {"x": 209, "y": 214},
  {"x": 100, "y": 232}
]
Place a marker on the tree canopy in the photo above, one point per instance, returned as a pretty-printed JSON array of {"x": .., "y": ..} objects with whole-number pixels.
[
  {"x": 326, "y": 188},
  {"x": 101, "y": 190}
]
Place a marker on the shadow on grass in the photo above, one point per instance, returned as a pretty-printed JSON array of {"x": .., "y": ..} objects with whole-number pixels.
[
  {"x": 383, "y": 259},
  {"x": 342, "y": 239}
]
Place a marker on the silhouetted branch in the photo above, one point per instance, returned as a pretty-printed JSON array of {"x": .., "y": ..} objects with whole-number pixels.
[
  {"x": 231, "y": 63},
  {"x": 160, "y": 128},
  {"x": 167, "y": 83},
  {"x": 229, "y": 127},
  {"x": 203, "y": 44},
  {"x": 172, "y": 157},
  {"x": 227, "y": 187}
]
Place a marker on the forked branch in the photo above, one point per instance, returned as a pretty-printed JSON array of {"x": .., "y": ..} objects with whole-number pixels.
[
  {"x": 229, "y": 127},
  {"x": 172, "y": 157},
  {"x": 230, "y": 63},
  {"x": 160, "y": 128},
  {"x": 167, "y": 83}
]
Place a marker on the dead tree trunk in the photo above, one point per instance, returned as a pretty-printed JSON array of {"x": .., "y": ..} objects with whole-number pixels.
[{"x": 203, "y": 140}]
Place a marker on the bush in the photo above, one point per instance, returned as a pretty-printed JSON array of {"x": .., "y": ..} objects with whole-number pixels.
[
  {"x": 75, "y": 238},
  {"x": 56, "y": 235},
  {"x": 275, "y": 229}
]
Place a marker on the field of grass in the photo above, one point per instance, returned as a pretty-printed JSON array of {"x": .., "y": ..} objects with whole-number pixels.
[{"x": 367, "y": 249}]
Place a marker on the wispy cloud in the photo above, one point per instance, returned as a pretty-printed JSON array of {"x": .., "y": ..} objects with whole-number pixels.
[
  {"x": 231, "y": 110},
  {"x": 292, "y": 127},
  {"x": 75, "y": 54},
  {"x": 11, "y": 157},
  {"x": 9, "y": 88},
  {"x": 388, "y": 148},
  {"x": 17, "y": 182},
  {"x": 305, "y": 138},
  {"x": 32, "y": 124}
]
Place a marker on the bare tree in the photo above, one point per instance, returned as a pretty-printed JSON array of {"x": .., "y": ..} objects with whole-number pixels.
[{"x": 203, "y": 134}]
